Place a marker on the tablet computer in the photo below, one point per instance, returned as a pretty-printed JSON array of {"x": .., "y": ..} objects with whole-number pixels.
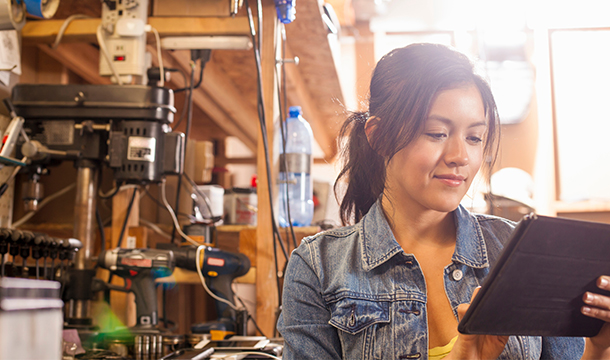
[{"x": 536, "y": 286}]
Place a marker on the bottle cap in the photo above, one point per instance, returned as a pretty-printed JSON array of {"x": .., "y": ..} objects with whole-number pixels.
[{"x": 294, "y": 111}]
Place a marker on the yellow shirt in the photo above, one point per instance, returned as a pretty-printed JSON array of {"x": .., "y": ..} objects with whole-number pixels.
[{"x": 440, "y": 352}]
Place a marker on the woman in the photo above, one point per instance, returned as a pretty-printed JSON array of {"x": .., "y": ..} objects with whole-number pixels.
[{"x": 390, "y": 286}]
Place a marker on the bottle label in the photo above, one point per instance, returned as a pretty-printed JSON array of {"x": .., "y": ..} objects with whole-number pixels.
[{"x": 295, "y": 163}]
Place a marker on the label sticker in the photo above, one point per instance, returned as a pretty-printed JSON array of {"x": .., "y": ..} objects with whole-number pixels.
[
  {"x": 141, "y": 148},
  {"x": 216, "y": 262}
]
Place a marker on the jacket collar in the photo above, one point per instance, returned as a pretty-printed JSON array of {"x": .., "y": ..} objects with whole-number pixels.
[{"x": 379, "y": 243}]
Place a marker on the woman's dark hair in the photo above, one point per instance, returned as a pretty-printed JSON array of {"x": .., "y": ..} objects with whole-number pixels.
[{"x": 404, "y": 85}]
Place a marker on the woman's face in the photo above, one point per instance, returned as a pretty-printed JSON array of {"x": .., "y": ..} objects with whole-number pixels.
[{"x": 435, "y": 170}]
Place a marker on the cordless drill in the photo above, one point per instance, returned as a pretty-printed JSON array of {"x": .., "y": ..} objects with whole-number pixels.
[
  {"x": 139, "y": 268},
  {"x": 219, "y": 268}
]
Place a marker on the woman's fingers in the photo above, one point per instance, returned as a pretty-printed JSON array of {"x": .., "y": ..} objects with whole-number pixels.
[
  {"x": 596, "y": 305},
  {"x": 462, "y": 308}
]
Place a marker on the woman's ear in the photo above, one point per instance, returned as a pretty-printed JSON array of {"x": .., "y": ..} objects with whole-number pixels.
[{"x": 369, "y": 128}]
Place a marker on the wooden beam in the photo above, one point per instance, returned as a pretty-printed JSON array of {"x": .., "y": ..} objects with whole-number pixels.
[
  {"x": 298, "y": 94},
  {"x": 365, "y": 62},
  {"x": 266, "y": 290},
  {"x": 82, "y": 59},
  {"x": 219, "y": 98},
  {"x": 84, "y": 30},
  {"x": 122, "y": 304},
  {"x": 308, "y": 38}
]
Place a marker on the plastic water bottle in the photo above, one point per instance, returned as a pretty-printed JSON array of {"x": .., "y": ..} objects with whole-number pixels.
[{"x": 295, "y": 183}]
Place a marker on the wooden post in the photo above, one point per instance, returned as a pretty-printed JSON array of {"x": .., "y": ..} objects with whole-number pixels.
[
  {"x": 266, "y": 290},
  {"x": 365, "y": 62},
  {"x": 123, "y": 305}
]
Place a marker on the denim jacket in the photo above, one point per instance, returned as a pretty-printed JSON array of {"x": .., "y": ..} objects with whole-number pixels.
[{"x": 353, "y": 293}]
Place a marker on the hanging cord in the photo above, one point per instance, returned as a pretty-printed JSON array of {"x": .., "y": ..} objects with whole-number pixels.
[
  {"x": 159, "y": 56},
  {"x": 173, "y": 215},
  {"x": 281, "y": 90},
  {"x": 122, "y": 233},
  {"x": 100, "y": 225},
  {"x": 263, "y": 123},
  {"x": 261, "y": 113},
  {"x": 186, "y": 137},
  {"x": 64, "y": 26},
  {"x": 42, "y": 204},
  {"x": 104, "y": 50}
]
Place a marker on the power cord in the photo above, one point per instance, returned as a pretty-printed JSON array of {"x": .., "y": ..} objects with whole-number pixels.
[
  {"x": 104, "y": 50},
  {"x": 261, "y": 112}
]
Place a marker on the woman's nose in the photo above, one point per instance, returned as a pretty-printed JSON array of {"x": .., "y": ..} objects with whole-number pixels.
[{"x": 456, "y": 153}]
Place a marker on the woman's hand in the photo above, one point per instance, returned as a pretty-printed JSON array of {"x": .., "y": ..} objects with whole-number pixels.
[
  {"x": 598, "y": 306},
  {"x": 475, "y": 347}
]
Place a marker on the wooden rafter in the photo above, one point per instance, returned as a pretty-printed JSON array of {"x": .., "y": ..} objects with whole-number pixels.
[{"x": 218, "y": 97}]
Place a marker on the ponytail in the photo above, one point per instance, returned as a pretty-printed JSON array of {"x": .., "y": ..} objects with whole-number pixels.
[{"x": 363, "y": 171}]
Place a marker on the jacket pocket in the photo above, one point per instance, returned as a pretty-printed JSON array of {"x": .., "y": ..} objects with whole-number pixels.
[{"x": 358, "y": 322}]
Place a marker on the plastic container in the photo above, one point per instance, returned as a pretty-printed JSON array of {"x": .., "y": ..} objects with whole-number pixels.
[
  {"x": 295, "y": 187},
  {"x": 241, "y": 206},
  {"x": 215, "y": 195}
]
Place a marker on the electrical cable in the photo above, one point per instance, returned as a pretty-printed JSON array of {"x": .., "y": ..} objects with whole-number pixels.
[
  {"x": 160, "y": 57},
  {"x": 110, "y": 194},
  {"x": 173, "y": 216},
  {"x": 283, "y": 130},
  {"x": 42, "y": 204},
  {"x": 184, "y": 105},
  {"x": 100, "y": 225},
  {"x": 263, "y": 124},
  {"x": 104, "y": 50},
  {"x": 64, "y": 26},
  {"x": 133, "y": 197},
  {"x": 263, "y": 354},
  {"x": 204, "y": 58},
  {"x": 249, "y": 316},
  {"x": 202, "y": 195},
  {"x": 155, "y": 228},
  {"x": 161, "y": 205},
  {"x": 189, "y": 119},
  {"x": 261, "y": 112},
  {"x": 205, "y": 286}
]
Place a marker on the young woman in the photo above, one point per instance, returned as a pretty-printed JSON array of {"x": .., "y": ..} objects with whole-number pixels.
[{"x": 393, "y": 285}]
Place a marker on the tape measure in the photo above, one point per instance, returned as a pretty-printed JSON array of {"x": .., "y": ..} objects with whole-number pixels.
[
  {"x": 12, "y": 14},
  {"x": 44, "y": 9}
]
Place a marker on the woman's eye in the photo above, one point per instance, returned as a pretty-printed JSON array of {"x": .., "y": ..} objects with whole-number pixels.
[
  {"x": 437, "y": 136},
  {"x": 475, "y": 139}
]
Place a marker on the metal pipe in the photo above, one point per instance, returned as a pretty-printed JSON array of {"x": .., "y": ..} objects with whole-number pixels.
[
  {"x": 84, "y": 221},
  {"x": 84, "y": 214}
]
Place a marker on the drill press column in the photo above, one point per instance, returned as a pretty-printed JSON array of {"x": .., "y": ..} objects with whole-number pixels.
[{"x": 84, "y": 221}]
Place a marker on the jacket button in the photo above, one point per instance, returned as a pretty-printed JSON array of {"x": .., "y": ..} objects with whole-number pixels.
[{"x": 457, "y": 274}]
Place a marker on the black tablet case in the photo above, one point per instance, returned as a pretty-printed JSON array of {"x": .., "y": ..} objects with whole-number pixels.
[{"x": 536, "y": 286}]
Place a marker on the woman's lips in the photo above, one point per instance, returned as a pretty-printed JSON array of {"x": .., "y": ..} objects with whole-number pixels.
[{"x": 451, "y": 179}]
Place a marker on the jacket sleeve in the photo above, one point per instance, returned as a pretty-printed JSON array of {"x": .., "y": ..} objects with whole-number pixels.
[
  {"x": 303, "y": 322},
  {"x": 556, "y": 348}
]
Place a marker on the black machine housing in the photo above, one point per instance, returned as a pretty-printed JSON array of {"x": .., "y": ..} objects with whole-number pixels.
[{"x": 125, "y": 126}]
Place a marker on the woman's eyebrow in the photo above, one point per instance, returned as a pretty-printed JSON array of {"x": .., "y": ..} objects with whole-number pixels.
[{"x": 449, "y": 121}]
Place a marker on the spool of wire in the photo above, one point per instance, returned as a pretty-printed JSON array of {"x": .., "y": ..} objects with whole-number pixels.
[
  {"x": 12, "y": 14},
  {"x": 44, "y": 9}
]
